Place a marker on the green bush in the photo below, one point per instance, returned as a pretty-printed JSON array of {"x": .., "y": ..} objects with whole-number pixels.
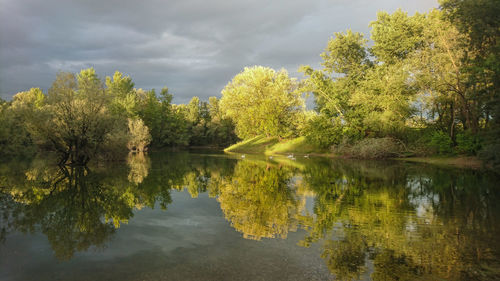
[
  {"x": 441, "y": 142},
  {"x": 417, "y": 141},
  {"x": 468, "y": 143},
  {"x": 323, "y": 131},
  {"x": 371, "y": 148}
]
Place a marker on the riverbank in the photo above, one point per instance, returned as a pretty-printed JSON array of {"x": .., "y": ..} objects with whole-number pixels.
[
  {"x": 299, "y": 146},
  {"x": 273, "y": 146},
  {"x": 468, "y": 162}
]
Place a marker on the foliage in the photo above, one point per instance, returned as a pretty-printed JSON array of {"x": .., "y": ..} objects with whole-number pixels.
[
  {"x": 207, "y": 124},
  {"x": 436, "y": 73},
  {"x": 15, "y": 140},
  {"x": 468, "y": 143},
  {"x": 83, "y": 118},
  {"x": 479, "y": 23},
  {"x": 262, "y": 101},
  {"x": 441, "y": 142},
  {"x": 360, "y": 96},
  {"x": 76, "y": 121},
  {"x": 438, "y": 70},
  {"x": 139, "y": 135},
  {"x": 370, "y": 148},
  {"x": 323, "y": 131}
]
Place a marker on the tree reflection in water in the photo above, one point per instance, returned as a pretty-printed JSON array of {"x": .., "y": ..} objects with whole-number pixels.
[
  {"x": 413, "y": 222},
  {"x": 397, "y": 221},
  {"x": 258, "y": 202},
  {"x": 409, "y": 222},
  {"x": 75, "y": 207},
  {"x": 68, "y": 205}
]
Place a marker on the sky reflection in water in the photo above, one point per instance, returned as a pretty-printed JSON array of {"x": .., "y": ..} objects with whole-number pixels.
[{"x": 182, "y": 216}]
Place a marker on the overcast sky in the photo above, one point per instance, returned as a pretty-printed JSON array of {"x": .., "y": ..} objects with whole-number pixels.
[{"x": 194, "y": 47}]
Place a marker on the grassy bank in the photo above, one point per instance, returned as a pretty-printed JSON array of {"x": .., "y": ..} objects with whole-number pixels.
[
  {"x": 273, "y": 146},
  {"x": 299, "y": 146},
  {"x": 254, "y": 145}
]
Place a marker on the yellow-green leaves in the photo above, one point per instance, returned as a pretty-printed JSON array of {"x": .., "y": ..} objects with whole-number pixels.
[
  {"x": 396, "y": 35},
  {"x": 261, "y": 100},
  {"x": 34, "y": 98},
  {"x": 345, "y": 53},
  {"x": 139, "y": 135}
]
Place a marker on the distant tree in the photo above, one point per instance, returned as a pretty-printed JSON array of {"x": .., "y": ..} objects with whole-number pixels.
[
  {"x": 15, "y": 138},
  {"x": 15, "y": 134},
  {"x": 167, "y": 124},
  {"x": 193, "y": 110},
  {"x": 124, "y": 99},
  {"x": 140, "y": 136},
  {"x": 76, "y": 121},
  {"x": 221, "y": 130}
]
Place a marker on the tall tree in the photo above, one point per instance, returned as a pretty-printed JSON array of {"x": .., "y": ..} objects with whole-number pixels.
[
  {"x": 479, "y": 22},
  {"x": 77, "y": 121},
  {"x": 262, "y": 101}
]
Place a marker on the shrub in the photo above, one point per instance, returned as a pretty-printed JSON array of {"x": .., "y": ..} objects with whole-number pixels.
[
  {"x": 441, "y": 142},
  {"x": 468, "y": 143},
  {"x": 323, "y": 131},
  {"x": 371, "y": 148}
]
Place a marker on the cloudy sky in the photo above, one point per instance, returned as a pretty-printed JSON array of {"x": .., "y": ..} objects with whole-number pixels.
[{"x": 194, "y": 47}]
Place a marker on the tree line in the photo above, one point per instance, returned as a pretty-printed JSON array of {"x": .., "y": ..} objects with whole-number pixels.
[
  {"x": 427, "y": 83},
  {"x": 429, "y": 80},
  {"x": 82, "y": 117}
]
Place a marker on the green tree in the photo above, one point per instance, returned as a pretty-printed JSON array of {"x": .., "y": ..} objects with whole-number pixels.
[
  {"x": 479, "y": 22},
  {"x": 124, "y": 99},
  {"x": 396, "y": 35},
  {"x": 139, "y": 135},
  {"x": 361, "y": 97},
  {"x": 167, "y": 123},
  {"x": 262, "y": 101},
  {"x": 221, "y": 130},
  {"x": 76, "y": 121},
  {"x": 15, "y": 117}
]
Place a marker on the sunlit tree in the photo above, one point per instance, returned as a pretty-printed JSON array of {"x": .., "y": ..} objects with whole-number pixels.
[{"x": 262, "y": 101}]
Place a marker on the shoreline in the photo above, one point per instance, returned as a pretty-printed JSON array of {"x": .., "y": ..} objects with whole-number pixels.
[
  {"x": 299, "y": 147},
  {"x": 464, "y": 162}
]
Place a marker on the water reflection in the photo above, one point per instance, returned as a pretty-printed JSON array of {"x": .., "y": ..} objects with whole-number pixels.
[
  {"x": 258, "y": 201},
  {"x": 67, "y": 205},
  {"x": 393, "y": 221},
  {"x": 76, "y": 207},
  {"x": 139, "y": 164}
]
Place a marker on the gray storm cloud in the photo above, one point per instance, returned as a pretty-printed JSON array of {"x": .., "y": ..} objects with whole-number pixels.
[{"x": 194, "y": 47}]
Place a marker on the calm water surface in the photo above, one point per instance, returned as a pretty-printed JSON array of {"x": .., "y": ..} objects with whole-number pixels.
[{"x": 192, "y": 216}]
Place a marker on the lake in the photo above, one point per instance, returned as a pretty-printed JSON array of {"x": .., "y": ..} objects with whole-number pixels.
[{"x": 211, "y": 216}]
